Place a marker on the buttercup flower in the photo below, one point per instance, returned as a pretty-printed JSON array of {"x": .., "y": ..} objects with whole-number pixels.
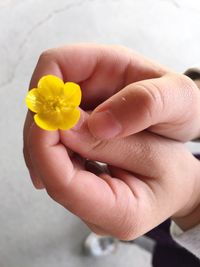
[{"x": 55, "y": 103}]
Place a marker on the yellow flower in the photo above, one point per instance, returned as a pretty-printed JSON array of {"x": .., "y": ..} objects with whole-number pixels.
[{"x": 55, "y": 103}]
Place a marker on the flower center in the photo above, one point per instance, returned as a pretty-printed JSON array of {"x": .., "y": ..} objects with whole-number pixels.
[
  {"x": 53, "y": 104},
  {"x": 56, "y": 104}
]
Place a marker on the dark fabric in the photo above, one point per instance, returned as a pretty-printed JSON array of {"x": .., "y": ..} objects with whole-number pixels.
[
  {"x": 193, "y": 73},
  {"x": 167, "y": 253},
  {"x": 197, "y": 156},
  {"x": 173, "y": 256}
]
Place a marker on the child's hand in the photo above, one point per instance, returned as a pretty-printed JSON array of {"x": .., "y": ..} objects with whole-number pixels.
[
  {"x": 151, "y": 178},
  {"x": 100, "y": 70},
  {"x": 159, "y": 177}
]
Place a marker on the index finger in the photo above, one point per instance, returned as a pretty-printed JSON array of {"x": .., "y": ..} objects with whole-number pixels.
[{"x": 100, "y": 70}]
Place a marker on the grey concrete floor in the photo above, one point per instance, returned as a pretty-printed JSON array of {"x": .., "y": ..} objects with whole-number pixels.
[{"x": 35, "y": 231}]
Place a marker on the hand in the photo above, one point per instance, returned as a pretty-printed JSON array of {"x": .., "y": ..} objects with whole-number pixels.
[
  {"x": 91, "y": 67},
  {"x": 155, "y": 178},
  {"x": 165, "y": 103},
  {"x": 100, "y": 70}
]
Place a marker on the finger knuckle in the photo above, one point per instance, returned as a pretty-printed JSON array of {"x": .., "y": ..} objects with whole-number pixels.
[
  {"x": 183, "y": 79},
  {"x": 95, "y": 148},
  {"x": 150, "y": 98},
  {"x": 47, "y": 55},
  {"x": 189, "y": 93},
  {"x": 189, "y": 85},
  {"x": 56, "y": 193}
]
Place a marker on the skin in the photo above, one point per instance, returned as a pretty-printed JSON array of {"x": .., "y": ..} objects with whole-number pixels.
[{"x": 151, "y": 111}]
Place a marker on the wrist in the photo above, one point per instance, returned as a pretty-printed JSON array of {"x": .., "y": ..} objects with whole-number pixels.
[
  {"x": 189, "y": 221},
  {"x": 189, "y": 215}
]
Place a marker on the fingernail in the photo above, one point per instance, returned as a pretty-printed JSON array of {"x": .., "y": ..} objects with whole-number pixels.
[{"x": 104, "y": 125}]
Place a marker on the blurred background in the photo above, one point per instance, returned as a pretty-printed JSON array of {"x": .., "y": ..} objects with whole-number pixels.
[{"x": 34, "y": 230}]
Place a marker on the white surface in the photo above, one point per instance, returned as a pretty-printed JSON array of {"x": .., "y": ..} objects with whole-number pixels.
[{"x": 34, "y": 231}]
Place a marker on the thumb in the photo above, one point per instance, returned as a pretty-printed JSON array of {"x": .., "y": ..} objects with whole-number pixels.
[{"x": 169, "y": 106}]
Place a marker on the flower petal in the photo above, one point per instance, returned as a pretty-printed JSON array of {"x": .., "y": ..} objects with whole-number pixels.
[
  {"x": 72, "y": 92},
  {"x": 46, "y": 122},
  {"x": 69, "y": 119},
  {"x": 55, "y": 121},
  {"x": 33, "y": 100},
  {"x": 50, "y": 86}
]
